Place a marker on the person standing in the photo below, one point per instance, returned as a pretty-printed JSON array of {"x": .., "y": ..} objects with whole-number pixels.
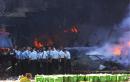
[
  {"x": 44, "y": 61},
  {"x": 26, "y": 53},
  {"x": 33, "y": 61},
  {"x": 17, "y": 53},
  {"x": 62, "y": 61},
  {"x": 55, "y": 57},
  {"x": 67, "y": 61},
  {"x": 42, "y": 57},
  {"x": 18, "y": 57},
  {"x": 22, "y": 61},
  {"x": 49, "y": 60}
]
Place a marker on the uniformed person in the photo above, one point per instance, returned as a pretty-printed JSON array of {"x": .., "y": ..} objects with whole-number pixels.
[
  {"x": 18, "y": 65},
  {"x": 49, "y": 60},
  {"x": 42, "y": 56},
  {"x": 27, "y": 52},
  {"x": 33, "y": 61},
  {"x": 67, "y": 61},
  {"x": 24, "y": 59},
  {"x": 44, "y": 61},
  {"x": 62, "y": 60},
  {"x": 21, "y": 60},
  {"x": 38, "y": 61},
  {"x": 55, "y": 57},
  {"x": 17, "y": 53}
]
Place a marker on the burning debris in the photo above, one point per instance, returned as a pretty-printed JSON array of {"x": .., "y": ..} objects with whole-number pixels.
[{"x": 120, "y": 51}]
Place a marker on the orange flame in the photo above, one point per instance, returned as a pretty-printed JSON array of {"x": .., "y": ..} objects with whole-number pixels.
[
  {"x": 74, "y": 29},
  {"x": 38, "y": 44},
  {"x": 117, "y": 51}
]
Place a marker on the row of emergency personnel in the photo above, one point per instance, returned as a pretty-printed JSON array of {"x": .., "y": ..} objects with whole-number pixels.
[
  {"x": 34, "y": 54},
  {"x": 42, "y": 61}
]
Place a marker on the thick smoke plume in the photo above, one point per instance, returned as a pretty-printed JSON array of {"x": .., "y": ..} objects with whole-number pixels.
[{"x": 120, "y": 51}]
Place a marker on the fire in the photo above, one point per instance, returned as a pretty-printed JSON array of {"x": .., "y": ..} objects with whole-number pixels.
[
  {"x": 117, "y": 51},
  {"x": 74, "y": 29},
  {"x": 38, "y": 44}
]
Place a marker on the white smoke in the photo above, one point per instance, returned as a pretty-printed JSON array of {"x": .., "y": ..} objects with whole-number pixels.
[
  {"x": 123, "y": 44},
  {"x": 125, "y": 24}
]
